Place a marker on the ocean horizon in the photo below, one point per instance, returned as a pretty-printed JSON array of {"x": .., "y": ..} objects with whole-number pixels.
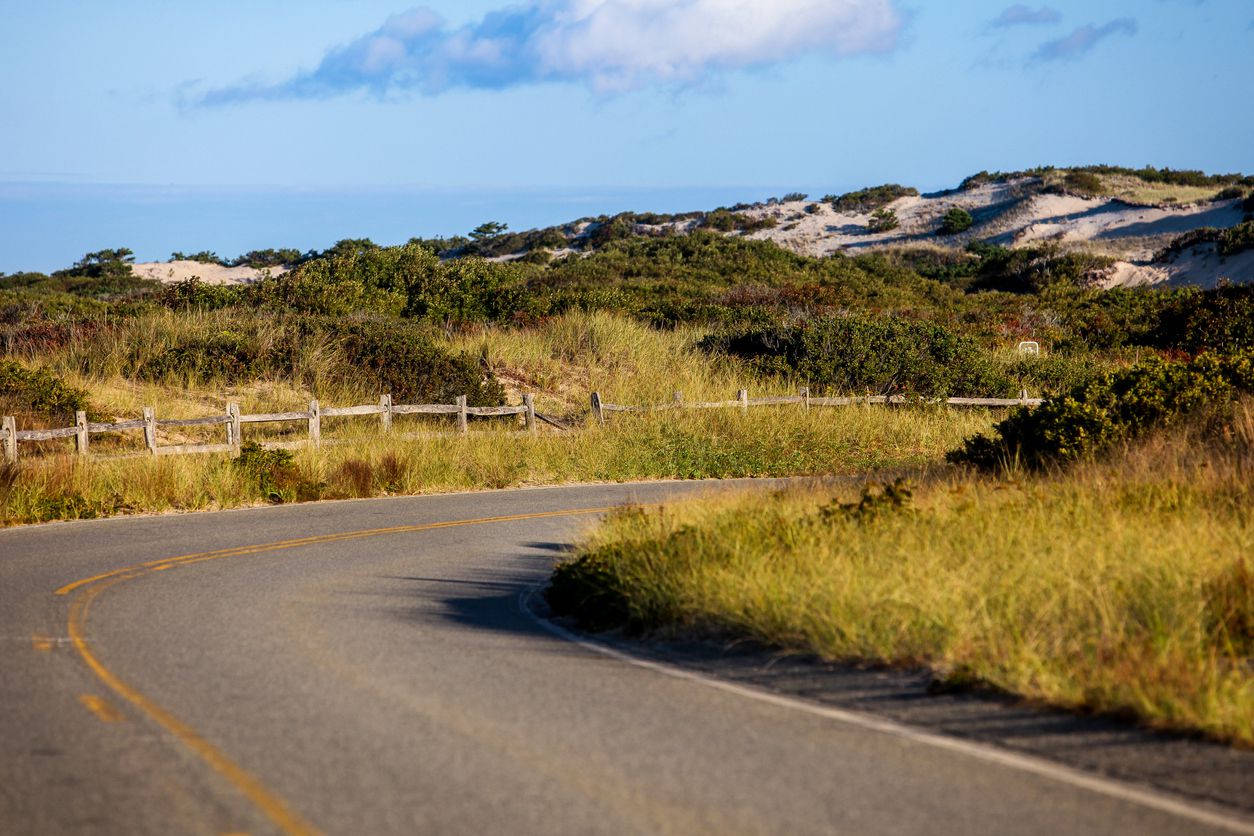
[{"x": 45, "y": 226}]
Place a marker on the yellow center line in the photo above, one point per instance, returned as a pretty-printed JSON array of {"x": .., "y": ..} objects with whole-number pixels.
[
  {"x": 286, "y": 819},
  {"x": 102, "y": 708}
]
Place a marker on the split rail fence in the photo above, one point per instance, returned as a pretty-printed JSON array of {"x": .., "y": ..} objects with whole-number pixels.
[
  {"x": 233, "y": 421},
  {"x": 601, "y": 409}
]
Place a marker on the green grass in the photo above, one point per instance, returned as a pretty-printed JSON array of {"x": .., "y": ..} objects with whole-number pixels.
[{"x": 1125, "y": 587}]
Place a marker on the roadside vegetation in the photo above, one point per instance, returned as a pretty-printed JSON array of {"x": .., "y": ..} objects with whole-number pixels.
[{"x": 1121, "y": 584}]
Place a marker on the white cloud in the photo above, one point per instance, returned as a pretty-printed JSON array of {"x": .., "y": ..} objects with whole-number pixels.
[{"x": 609, "y": 45}]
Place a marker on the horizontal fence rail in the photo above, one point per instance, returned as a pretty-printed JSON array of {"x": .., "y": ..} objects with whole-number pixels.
[
  {"x": 233, "y": 420},
  {"x": 601, "y": 409}
]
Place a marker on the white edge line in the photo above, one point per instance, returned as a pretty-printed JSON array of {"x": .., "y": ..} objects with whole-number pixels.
[{"x": 991, "y": 754}]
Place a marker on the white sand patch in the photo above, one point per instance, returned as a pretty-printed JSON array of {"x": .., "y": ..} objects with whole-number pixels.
[{"x": 170, "y": 272}]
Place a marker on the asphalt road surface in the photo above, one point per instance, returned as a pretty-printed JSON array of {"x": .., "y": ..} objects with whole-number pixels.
[{"x": 371, "y": 667}]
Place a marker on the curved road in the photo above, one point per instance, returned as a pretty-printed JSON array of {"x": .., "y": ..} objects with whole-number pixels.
[{"x": 366, "y": 667}]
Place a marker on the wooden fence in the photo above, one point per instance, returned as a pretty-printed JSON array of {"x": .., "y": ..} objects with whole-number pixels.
[
  {"x": 233, "y": 421},
  {"x": 601, "y": 409}
]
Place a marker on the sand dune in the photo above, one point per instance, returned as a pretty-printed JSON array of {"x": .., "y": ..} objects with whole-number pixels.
[{"x": 170, "y": 272}]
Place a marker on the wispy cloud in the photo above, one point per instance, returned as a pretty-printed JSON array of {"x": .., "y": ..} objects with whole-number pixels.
[
  {"x": 1021, "y": 15},
  {"x": 1081, "y": 42},
  {"x": 608, "y": 45}
]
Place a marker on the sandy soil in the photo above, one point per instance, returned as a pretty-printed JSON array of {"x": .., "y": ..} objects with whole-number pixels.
[{"x": 170, "y": 272}]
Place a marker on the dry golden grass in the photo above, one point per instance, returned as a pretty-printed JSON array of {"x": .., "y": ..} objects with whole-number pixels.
[
  {"x": 1123, "y": 587},
  {"x": 766, "y": 441}
]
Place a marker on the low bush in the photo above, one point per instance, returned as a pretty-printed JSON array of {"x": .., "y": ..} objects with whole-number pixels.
[
  {"x": 864, "y": 201},
  {"x": 883, "y": 354},
  {"x": 39, "y": 391},
  {"x": 1035, "y": 269},
  {"x": 401, "y": 358},
  {"x": 956, "y": 220},
  {"x": 194, "y": 294},
  {"x": 226, "y": 356},
  {"x": 1114, "y": 407},
  {"x": 1236, "y": 240},
  {"x": 272, "y": 473},
  {"x": 1084, "y": 183},
  {"x": 883, "y": 220},
  {"x": 1215, "y": 320}
]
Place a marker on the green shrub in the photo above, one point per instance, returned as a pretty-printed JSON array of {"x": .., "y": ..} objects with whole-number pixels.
[
  {"x": 1238, "y": 239},
  {"x": 1034, "y": 269},
  {"x": 883, "y": 220},
  {"x": 272, "y": 472},
  {"x": 260, "y": 259},
  {"x": 41, "y": 392},
  {"x": 194, "y": 294},
  {"x": 882, "y": 354},
  {"x": 956, "y": 220},
  {"x": 227, "y": 356},
  {"x": 356, "y": 276},
  {"x": 1117, "y": 406},
  {"x": 400, "y": 358},
  {"x": 1084, "y": 183},
  {"x": 471, "y": 290},
  {"x": 868, "y": 200},
  {"x": 1215, "y": 320},
  {"x": 204, "y": 257}
]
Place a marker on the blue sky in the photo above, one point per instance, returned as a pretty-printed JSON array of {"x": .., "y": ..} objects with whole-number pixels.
[{"x": 256, "y": 123}]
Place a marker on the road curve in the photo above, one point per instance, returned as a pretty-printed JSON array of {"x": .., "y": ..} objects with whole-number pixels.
[{"x": 366, "y": 667}]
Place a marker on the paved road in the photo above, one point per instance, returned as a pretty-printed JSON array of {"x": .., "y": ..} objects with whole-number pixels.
[{"x": 391, "y": 683}]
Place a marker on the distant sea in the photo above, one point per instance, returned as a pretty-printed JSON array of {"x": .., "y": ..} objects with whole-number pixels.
[{"x": 46, "y": 226}]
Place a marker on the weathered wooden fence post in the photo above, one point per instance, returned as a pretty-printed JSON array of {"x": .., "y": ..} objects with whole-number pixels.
[
  {"x": 529, "y": 401},
  {"x": 150, "y": 429},
  {"x": 82, "y": 435},
  {"x": 597, "y": 412},
  {"x": 743, "y": 397},
  {"x": 385, "y": 417},
  {"x": 463, "y": 422},
  {"x": 234, "y": 435},
  {"x": 805, "y": 397},
  {"x": 8, "y": 434},
  {"x": 315, "y": 424}
]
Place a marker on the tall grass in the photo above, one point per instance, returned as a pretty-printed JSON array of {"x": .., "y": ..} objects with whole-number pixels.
[
  {"x": 626, "y": 361},
  {"x": 766, "y": 441},
  {"x": 1123, "y": 587}
]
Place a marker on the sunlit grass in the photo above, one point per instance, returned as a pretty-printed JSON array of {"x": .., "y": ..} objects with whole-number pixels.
[{"x": 428, "y": 458}]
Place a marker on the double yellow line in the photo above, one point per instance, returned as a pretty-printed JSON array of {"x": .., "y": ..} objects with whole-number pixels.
[{"x": 88, "y": 589}]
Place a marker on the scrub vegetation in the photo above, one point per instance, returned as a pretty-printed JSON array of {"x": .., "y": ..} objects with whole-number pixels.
[
  {"x": 1092, "y": 553},
  {"x": 635, "y": 306}
]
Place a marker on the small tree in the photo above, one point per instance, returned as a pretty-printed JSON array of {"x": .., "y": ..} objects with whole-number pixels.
[
  {"x": 883, "y": 220},
  {"x": 956, "y": 220},
  {"x": 491, "y": 229}
]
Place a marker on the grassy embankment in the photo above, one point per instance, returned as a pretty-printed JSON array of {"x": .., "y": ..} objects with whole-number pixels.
[
  {"x": 1122, "y": 585},
  {"x": 561, "y": 362}
]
